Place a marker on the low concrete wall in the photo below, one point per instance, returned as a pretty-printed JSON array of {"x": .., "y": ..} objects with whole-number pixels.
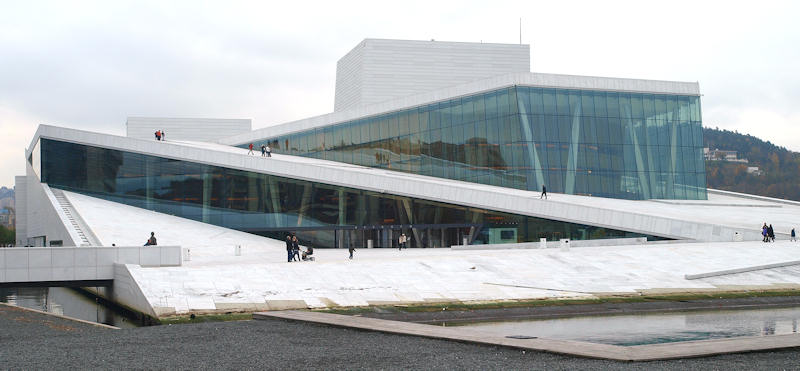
[
  {"x": 128, "y": 293},
  {"x": 44, "y": 216},
  {"x": 125, "y": 291},
  {"x": 741, "y": 270},
  {"x": 43, "y": 264},
  {"x": 752, "y": 197},
  {"x": 555, "y": 244}
]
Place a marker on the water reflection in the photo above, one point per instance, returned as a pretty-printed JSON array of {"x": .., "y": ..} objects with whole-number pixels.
[
  {"x": 67, "y": 302},
  {"x": 653, "y": 328}
]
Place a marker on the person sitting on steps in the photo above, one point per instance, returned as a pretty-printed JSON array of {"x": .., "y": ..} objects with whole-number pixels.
[{"x": 152, "y": 240}]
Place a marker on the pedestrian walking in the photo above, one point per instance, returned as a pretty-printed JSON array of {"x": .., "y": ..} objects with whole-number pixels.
[
  {"x": 295, "y": 249},
  {"x": 771, "y": 233},
  {"x": 793, "y": 236},
  {"x": 263, "y": 151},
  {"x": 250, "y": 147},
  {"x": 544, "y": 192},
  {"x": 269, "y": 151},
  {"x": 158, "y": 135},
  {"x": 764, "y": 233},
  {"x": 351, "y": 249},
  {"x": 289, "y": 247},
  {"x": 163, "y": 135},
  {"x": 401, "y": 241}
]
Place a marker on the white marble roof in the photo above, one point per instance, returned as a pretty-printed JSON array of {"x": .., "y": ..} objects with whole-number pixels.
[{"x": 716, "y": 219}]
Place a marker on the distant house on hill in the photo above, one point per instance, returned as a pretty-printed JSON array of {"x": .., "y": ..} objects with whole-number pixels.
[
  {"x": 754, "y": 170},
  {"x": 722, "y": 155}
]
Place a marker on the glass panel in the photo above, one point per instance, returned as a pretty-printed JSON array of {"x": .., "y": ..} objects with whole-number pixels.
[
  {"x": 491, "y": 105},
  {"x": 503, "y": 104},
  {"x": 587, "y": 104},
  {"x": 549, "y": 102},
  {"x": 612, "y": 104},
  {"x": 562, "y": 103},
  {"x": 600, "y": 104},
  {"x": 424, "y": 118},
  {"x": 484, "y": 131},
  {"x": 393, "y": 126},
  {"x": 636, "y": 106},
  {"x": 402, "y": 124},
  {"x": 537, "y": 105}
]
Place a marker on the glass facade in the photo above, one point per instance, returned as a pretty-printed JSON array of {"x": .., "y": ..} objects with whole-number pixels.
[
  {"x": 585, "y": 142},
  {"x": 321, "y": 214}
]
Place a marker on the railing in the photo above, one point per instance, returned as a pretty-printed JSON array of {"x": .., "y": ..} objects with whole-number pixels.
[{"x": 76, "y": 222}]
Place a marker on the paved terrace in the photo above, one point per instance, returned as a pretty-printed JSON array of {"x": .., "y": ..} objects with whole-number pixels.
[
  {"x": 215, "y": 279},
  {"x": 716, "y": 219}
]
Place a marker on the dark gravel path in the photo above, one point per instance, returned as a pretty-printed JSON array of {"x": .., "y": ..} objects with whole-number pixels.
[{"x": 35, "y": 341}]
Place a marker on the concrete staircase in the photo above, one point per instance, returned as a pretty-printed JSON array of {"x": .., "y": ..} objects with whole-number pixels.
[{"x": 87, "y": 238}]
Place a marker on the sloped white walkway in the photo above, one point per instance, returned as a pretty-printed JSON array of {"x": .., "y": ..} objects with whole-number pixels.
[
  {"x": 217, "y": 280},
  {"x": 720, "y": 218}
]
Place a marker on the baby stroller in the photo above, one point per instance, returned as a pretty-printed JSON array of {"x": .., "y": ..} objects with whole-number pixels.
[{"x": 306, "y": 256}]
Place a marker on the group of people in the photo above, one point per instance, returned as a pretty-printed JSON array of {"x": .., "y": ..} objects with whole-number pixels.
[
  {"x": 265, "y": 150},
  {"x": 293, "y": 250},
  {"x": 161, "y": 135},
  {"x": 768, "y": 234}
]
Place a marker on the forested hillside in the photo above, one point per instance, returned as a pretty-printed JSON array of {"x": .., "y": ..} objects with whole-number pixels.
[{"x": 781, "y": 167}]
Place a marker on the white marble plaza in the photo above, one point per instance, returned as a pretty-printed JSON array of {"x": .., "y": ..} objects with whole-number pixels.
[{"x": 215, "y": 279}]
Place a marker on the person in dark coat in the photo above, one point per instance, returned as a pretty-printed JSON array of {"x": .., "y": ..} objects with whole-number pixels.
[
  {"x": 771, "y": 233},
  {"x": 295, "y": 249},
  {"x": 289, "y": 247},
  {"x": 152, "y": 240},
  {"x": 544, "y": 192}
]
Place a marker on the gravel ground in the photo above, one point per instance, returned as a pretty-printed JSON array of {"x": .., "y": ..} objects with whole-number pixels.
[{"x": 35, "y": 341}]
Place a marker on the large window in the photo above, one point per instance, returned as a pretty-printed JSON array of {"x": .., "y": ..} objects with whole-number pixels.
[
  {"x": 321, "y": 214},
  {"x": 608, "y": 144}
]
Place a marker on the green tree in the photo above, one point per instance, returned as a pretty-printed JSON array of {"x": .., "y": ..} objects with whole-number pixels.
[
  {"x": 781, "y": 167},
  {"x": 7, "y": 236}
]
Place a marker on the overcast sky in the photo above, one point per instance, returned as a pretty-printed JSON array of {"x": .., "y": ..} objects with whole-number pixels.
[{"x": 89, "y": 65}]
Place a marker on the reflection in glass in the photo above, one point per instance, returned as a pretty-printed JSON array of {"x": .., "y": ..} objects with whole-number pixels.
[{"x": 321, "y": 214}]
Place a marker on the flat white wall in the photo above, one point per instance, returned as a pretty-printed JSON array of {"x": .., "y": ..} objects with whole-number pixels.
[
  {"x": 43, "y": 217},
  {"x": 21, "y": 204},
  {"x": 128, "y": 293},
  {"x": 348, "y": 78},
  {"x": 378, "y": 70},
  {"x": 34, "y": 264},
  {"x": 190, "y": 129}
]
